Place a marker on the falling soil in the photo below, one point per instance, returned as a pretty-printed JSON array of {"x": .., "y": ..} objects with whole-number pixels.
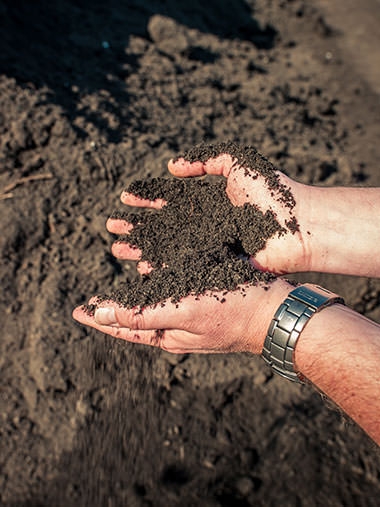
[{"x": 199, "y": 241}]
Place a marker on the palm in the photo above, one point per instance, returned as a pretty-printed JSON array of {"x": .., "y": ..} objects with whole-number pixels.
[{"x": 283, "y": 251}]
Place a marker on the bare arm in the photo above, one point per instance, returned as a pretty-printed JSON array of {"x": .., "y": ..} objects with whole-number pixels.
[
  {"x": 339, "y": 352},
  {"x": 341, "y": 228}
]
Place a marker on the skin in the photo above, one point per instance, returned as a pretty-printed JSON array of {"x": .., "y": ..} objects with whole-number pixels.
[{"x": 338, "y": 351}]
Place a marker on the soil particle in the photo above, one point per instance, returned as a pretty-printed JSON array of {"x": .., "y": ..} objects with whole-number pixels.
[{"x": 197, "y": 242}]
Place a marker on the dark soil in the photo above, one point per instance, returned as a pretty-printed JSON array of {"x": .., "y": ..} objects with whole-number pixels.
[
  {"x": 93, "y": 96},
  {"x": 197, "y": 242},
  {"x": 247, "y": 157}
]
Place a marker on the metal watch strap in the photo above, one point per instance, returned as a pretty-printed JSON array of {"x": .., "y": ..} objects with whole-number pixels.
[{"x": 288, "y": 322}]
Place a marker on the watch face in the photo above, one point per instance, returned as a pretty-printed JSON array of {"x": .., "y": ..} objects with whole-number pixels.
[
  {"x": 314, "y": 295},
  {"x": 307, "y": 296}
]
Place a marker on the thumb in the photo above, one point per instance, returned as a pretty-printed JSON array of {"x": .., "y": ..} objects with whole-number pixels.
[
  {"x": 166, "y": 315},
  {"x": 106, "y": 316}
]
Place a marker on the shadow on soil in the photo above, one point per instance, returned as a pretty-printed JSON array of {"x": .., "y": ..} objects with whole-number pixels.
[{"x": 37, "y": 35}]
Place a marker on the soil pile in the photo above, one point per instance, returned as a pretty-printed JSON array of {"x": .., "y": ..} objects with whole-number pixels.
[{"x": 195, "y": 243}]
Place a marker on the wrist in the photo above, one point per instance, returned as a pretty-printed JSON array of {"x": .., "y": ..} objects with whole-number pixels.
[
  {"x": 333, "y": 219},
  {"x": 300, "y": 243},
  {"x": 265, "y": 307},
  {"x": 322, "y": 227},
  {"x": 288, "y": 323}
]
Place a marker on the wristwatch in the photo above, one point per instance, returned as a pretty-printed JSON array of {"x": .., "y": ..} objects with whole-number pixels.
[{"x": 287, "y": 324}]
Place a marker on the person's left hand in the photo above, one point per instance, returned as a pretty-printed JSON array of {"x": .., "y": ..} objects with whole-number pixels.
[{"x": 287, "y": 252}]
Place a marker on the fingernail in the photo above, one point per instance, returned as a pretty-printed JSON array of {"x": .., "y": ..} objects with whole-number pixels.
[{"x": 105, "y": 316}]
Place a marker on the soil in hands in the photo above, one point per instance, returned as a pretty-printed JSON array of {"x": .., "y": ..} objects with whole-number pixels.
[
  {"x": 247, "y": 157},
  {"x": 199, "y": 241}
]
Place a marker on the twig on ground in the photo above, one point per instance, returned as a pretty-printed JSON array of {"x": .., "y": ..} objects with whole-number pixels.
[
  {"x": 6, "y": 192},
  {"x": 5, "y": 196}
]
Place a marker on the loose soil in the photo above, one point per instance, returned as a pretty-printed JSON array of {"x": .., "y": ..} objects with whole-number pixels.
[
  {"x": 197, "y": 242},
  {"x": 94, "y": 96}
]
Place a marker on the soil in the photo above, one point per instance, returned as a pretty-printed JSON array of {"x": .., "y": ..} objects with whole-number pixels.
[
  {"x": 95, "y": 95},
  {"x": 249, "y": 158}
]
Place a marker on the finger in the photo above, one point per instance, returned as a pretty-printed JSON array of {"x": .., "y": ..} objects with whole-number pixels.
[
  {"x": 220, "y": 165},
  {"x": 125, "y": 251},
  {"x": 175, "y": 341},
  {"x": 118, "y": 226},
  {"x": 168, "y": 315},
  {"x": 94, "y": 300},
  {"x": 151, "y": 337},
  {"x": 134, "y": 200},
  {"x": 165, "y": 315}
]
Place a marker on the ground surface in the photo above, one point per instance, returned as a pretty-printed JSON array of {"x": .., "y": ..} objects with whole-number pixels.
[{"x": 94, "y": 95}]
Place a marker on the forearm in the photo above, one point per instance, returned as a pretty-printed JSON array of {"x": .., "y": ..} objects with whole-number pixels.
[
  {"x": 339, "y": 352},
  {"x": 341, "y": 230}
]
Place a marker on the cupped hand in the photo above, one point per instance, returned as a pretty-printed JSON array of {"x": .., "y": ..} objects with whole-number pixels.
[
  {"x": 287, "y": 252},
  {"x": 214, "y": 322}
]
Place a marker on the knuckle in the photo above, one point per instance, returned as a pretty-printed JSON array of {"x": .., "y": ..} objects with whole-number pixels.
[
  {"x": 137, "y": 320},
  {"x": 157, "y": 339}
]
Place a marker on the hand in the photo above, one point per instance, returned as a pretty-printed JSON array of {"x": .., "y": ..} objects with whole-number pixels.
[
  {"x": 235, "y": 322},
  {"x": 286, "y": 253}
]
